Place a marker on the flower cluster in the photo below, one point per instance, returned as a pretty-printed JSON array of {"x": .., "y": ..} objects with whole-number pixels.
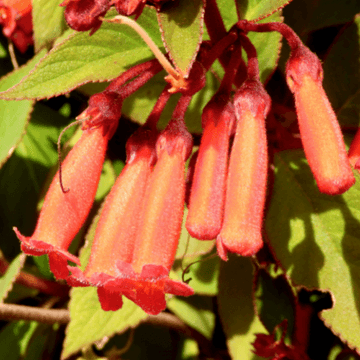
[{"x": 140, "y": 221}]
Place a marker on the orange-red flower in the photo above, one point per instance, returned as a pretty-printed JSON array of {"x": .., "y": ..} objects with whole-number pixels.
[
  {"x": 320, "y": 132},
  {"x": 207, "y": 196},
  {"x": 116, "y": 231},
  {"x": 246, "y": 182},
  {"x": 63, "y": 213},
  {"x": 145, "y": 281}
]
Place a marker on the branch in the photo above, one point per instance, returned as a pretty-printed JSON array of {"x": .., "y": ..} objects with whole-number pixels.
[{"x": 13, "y": 312}]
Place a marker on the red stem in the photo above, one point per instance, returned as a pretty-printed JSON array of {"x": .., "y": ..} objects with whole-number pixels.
[
  {"x": 216, "y": 29},
  {"x": 288, "y": 33},
  {"x": 253, "y": 63},
  {"x": 155, "y": 114},
  {"x": 218, "y": 49},
  {"x": 232, "y": 69},
  {"x": 130, "y": 74},
  {"x": 141, "y": 80}
]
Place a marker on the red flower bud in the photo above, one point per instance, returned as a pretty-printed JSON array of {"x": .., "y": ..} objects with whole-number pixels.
[
  {"x": 246, "y": 182},
  {"x": 15, "y": 17},
  {"x": 83, "y": 15},
  {"x": 320, "y": 132},
  {"x": 63, "y": 214},
  {"x": 207, "y": 196},
  {"x": 104, "y": 108}
]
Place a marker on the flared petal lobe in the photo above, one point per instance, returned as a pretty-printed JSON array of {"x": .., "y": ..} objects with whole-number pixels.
[
  {"x": 320, "y": 132},
  {"x": 207, "y": 196},
  {"x": 63, "y": 214},
  {"x": 247, "y": 175}
]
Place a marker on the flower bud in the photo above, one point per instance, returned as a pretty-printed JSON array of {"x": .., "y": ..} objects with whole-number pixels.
[
  {"x": 63, "y": 213},
  {"x": 246, "y": 182},
  {"x": 320, "y": 132},
  {"x": 207, "y": 196}
]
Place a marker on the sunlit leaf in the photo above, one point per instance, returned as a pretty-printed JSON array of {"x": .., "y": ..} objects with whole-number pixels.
[
  {"x": 82, "y": 58},
  {"x": 48, "y": 22},
  {"x": 315, "y": 237},
  {"x": 181, "y": 22},
  {"x": 14, "y": 114}
]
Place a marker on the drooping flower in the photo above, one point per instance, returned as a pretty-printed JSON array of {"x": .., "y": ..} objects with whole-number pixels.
[
  {"x": 146, "y": 280},
  {"x": 320, "y": 132},
  {"x": 115, "y": 234},
  {"x": 15, "y": 17},
  {"x": 247, "y": 174},
  {"x": 63, "y": 213},
  {"x": 207, "y": 196}
]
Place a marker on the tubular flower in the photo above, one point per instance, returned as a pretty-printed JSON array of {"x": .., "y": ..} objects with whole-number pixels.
[
  {"x": 320, "y": 132},
  {"x": 246, "y": 182},
  {"x": 207, "y": 196},
  {"x": 116, "y": 231},
  {"x": 145, "y": 281},
  {"x": 63, "y": 213},
  {"x": 15, "y": 17}
]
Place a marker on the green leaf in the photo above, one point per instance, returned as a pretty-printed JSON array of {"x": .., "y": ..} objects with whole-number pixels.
[
  {"x": 195, "y": 311},
  {"x": 14, "y": 114},
  {"x": 228, "y": 12},
  {"x": 82, "y": 58},
  {"x": 8, "y": 279},
  {"x": 15, "y": 337},
  {"x": 204, "y": 274},
  {"x": 89, "y": 323},
  {"x": 305, "y": 16},
  {"x": 181, "y": 22},
  {"x": 48, "y": 22},
  {"x": 275, "y": 301},
  {"x": 236, "y": 308},
  {"x": 342, "y": 75},
  {"x": 315, "y": 237},
  {"x": 259, "y": 9}
]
